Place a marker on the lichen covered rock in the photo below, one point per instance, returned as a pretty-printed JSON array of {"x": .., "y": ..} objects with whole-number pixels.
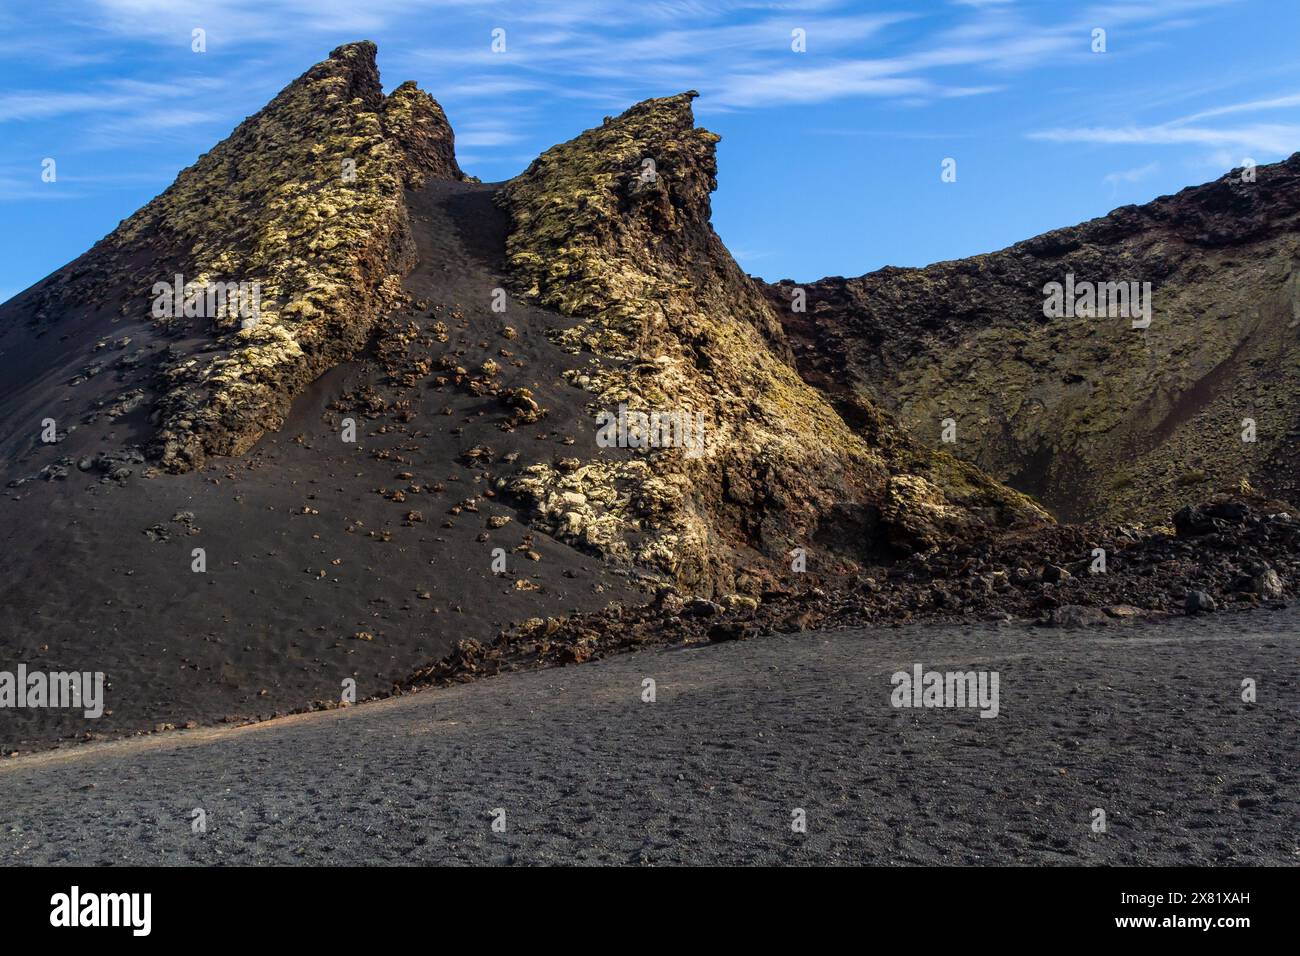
[
  {"x": 304, "y": 199},
  {"x": 613, "y": 228}
]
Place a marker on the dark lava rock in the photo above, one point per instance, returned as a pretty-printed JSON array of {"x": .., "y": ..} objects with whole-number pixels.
[
  {"x": 1022, "y": 576},
  {"x": 1194, "y": 520},
  {"x": 1233, "y": 512},
  {"x": 1191, "y": 521},
  {"x": 727, "y": 631},
  {"x": 1055, "y": 575},
  {"x": 1199, "y": 602},
  {"x": 699, "y": 607}
]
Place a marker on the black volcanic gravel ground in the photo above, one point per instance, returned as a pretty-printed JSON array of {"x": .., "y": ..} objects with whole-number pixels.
[{"x": 1145, "y": 721}]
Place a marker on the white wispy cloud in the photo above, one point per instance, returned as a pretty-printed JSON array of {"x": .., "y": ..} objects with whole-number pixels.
[
  {"x": 1227, "y": 144},
  {"x": 1268, "y": 138},
  {"x": 114, "y": 96},
  {"x": 1250, "y": 106},
  {"x": 43, "y": 104},
  {"x": 171, "y": 21},
  {"x": 736, "y": 51},
  {"x": 32, "y": 188},
  {"x": 485, "y": 133},
  {"x": 1136, "y": 174}
]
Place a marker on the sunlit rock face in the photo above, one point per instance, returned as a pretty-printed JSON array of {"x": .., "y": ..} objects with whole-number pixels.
[
  {"x": 302, "y": 202},
  {"x": 613, "y": 229}
]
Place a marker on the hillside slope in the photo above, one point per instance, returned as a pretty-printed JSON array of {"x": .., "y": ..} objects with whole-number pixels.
[{"x": 1095, "y": 418}]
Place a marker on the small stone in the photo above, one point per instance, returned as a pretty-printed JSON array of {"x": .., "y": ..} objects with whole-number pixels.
[
  {"x": 1053, "y": 574},
  {"x": 1122, "y": 611},
  {"x": 699, "y": 607},
  {"x": 727, "y": 631}
]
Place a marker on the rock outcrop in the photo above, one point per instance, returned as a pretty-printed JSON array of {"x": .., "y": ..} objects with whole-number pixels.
[
  {"x": 613, "y": 229},
  {"x": 459, "y": 406},
  {"x": 309, "y": 202},
  {"x": 304, "y": 203}
]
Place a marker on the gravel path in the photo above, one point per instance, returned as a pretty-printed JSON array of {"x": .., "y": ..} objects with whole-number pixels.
[{"x": 1146, "y": 722}]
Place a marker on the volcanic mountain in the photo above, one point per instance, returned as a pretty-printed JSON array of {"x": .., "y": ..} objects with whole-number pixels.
[
  {"x": 327, "y": 406},
  {"x": 1097, "y": 416}
]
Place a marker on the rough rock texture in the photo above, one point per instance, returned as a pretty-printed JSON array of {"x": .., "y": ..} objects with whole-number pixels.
[
  {"x": 304, "y": 198},
  {"x": 473, "y": 493},
  {"x": 613, "y": 227},
  {"x": 1093, "y": 417}
]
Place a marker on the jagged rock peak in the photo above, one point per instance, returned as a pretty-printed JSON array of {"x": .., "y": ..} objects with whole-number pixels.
[
  {"x": 613, "y": 227},
  {"x": 305, "y": 199}
]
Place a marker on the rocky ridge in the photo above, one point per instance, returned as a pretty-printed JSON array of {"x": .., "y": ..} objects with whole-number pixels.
[
  {"x": 310, "y": 198},
  {"x": 1091, "y": 416}
]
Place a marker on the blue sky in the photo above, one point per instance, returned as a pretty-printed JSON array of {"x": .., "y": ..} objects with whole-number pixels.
[{"x": 830, "y": 160}]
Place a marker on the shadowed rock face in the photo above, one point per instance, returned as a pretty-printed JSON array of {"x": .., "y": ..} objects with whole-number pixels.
[{"x": 1093, "y": 417}]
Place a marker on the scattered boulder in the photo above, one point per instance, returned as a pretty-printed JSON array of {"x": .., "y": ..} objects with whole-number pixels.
[
  {"x": 1123, "y": 611},
  {"x": 700, "y": 607},
  {"x": 1268, "y": 585},
  {"x": 1196, "y": 520},
  {"x": 727, "y": 631},
  {"x": 1075, "y": 615},
  {"x": 740, "y": 602},
  {"x": 1054, "y": 574}
]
